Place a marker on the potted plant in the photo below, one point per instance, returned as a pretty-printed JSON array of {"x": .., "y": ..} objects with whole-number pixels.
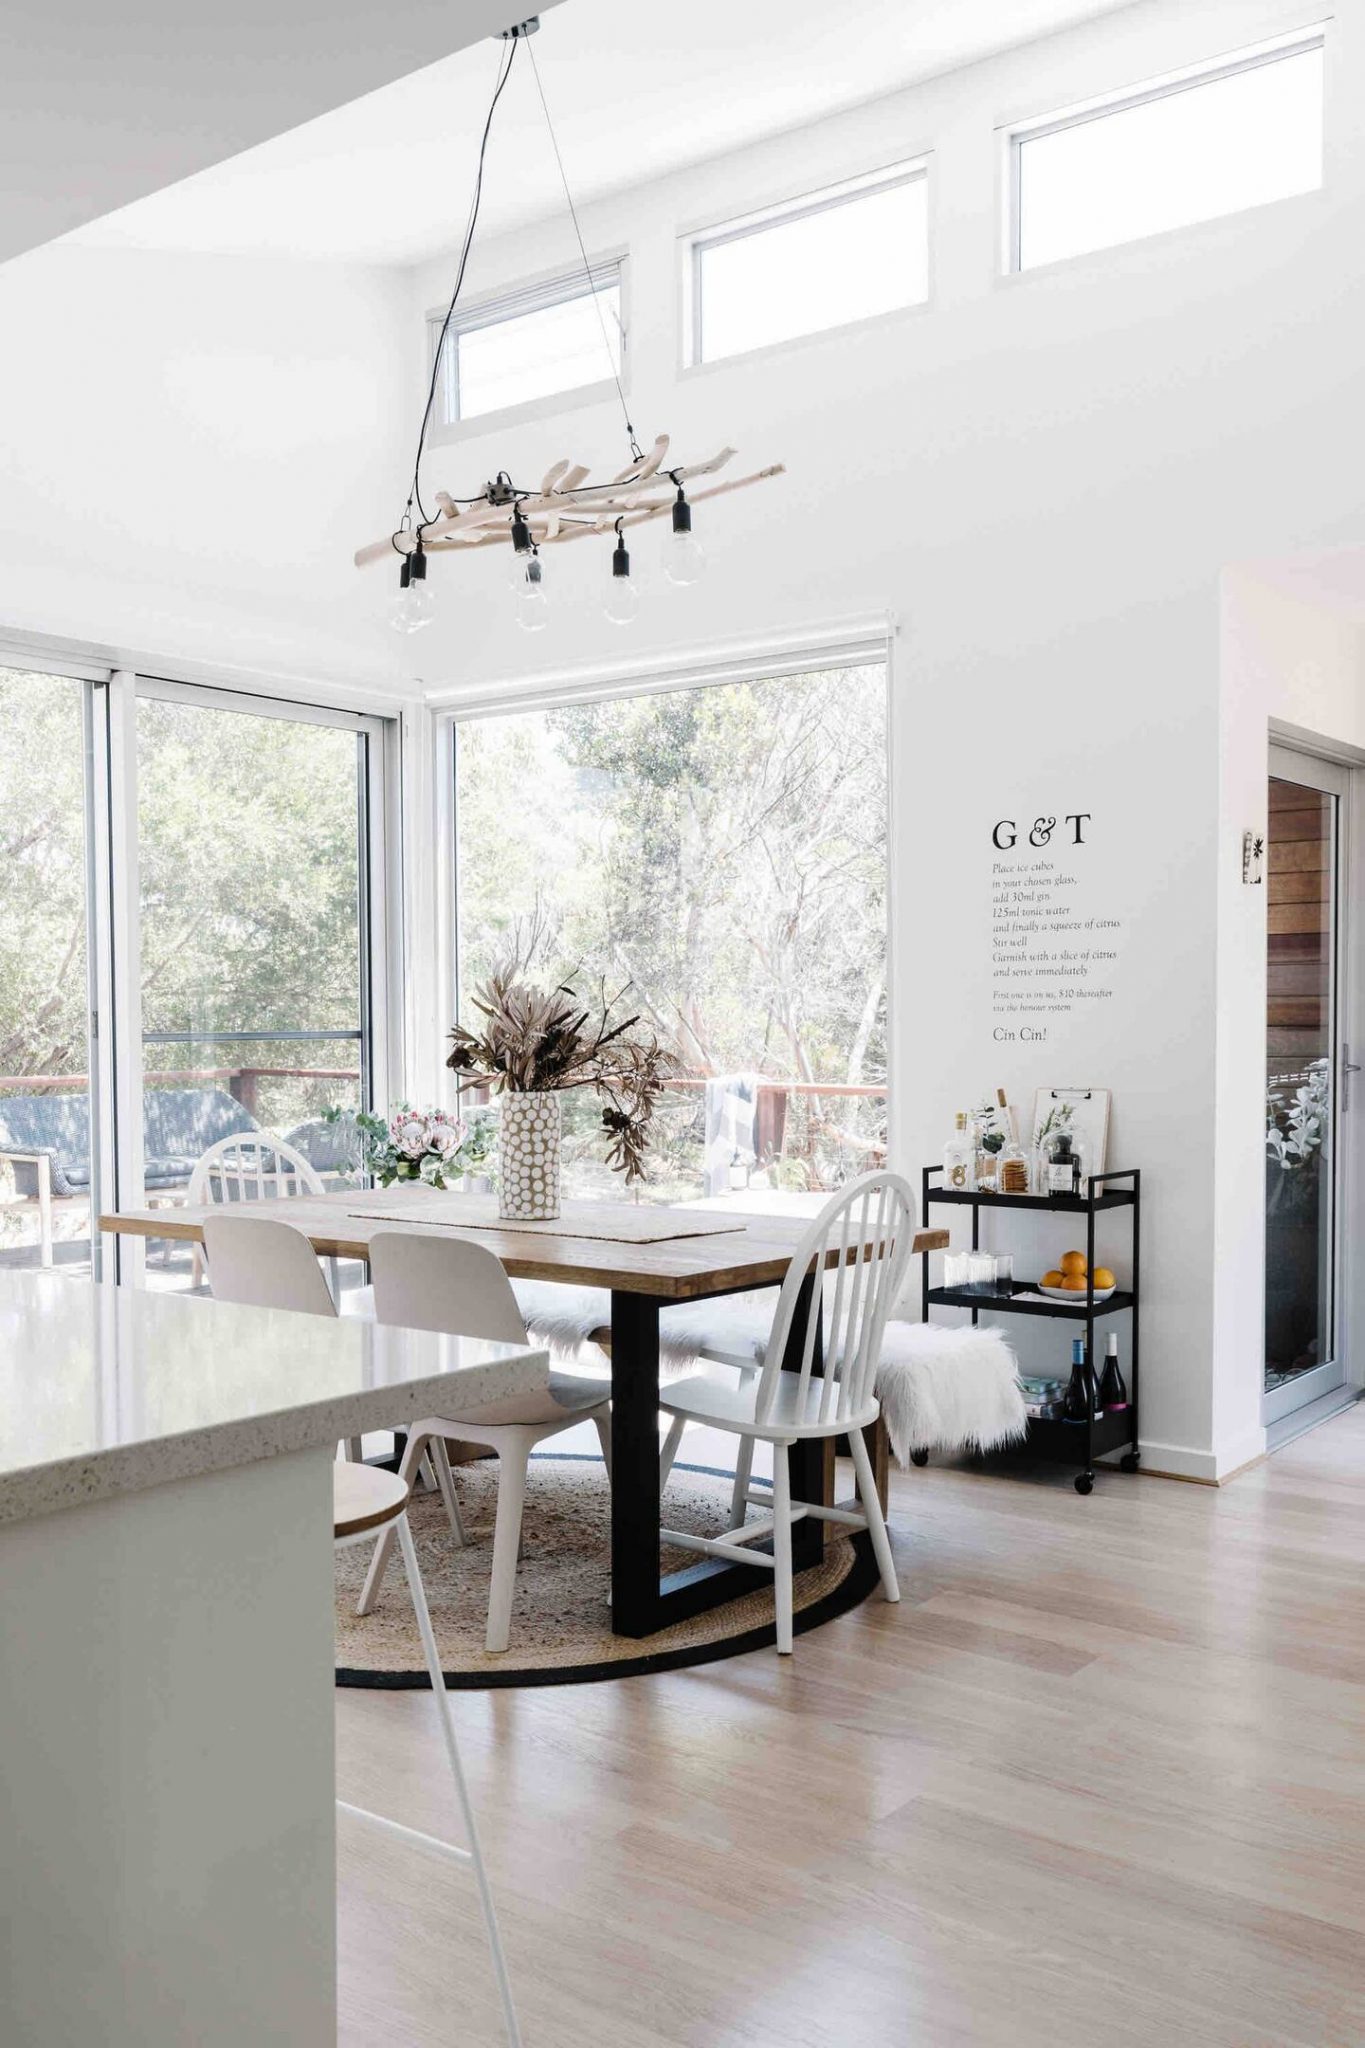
[{"x": 533, "y": 1044}]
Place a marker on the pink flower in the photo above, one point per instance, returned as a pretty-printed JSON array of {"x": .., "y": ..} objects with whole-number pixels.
[
  {"x": 410, "y": 1134},
  {"x": 448, "y": 1133}
]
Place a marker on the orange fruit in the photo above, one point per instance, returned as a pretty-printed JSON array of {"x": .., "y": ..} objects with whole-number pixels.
[
  {"x": 1073, "y": 1262},
  {"x": 1074, "y": 1283},
  {"x": 1052, "y": 1279},
  {"x": 1103, "y": 1277}
]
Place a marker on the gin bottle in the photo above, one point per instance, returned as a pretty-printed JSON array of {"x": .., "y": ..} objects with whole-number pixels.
[{"x": 959, "y": 1155}]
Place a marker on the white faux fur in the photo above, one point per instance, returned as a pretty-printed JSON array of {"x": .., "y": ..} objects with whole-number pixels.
[
  {"x": 948, "y": 1389},
  {"x": 941, "y": 1388}
]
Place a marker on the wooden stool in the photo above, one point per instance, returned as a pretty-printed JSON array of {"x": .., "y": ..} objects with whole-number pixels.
[{"x": 363, "y": 1500}]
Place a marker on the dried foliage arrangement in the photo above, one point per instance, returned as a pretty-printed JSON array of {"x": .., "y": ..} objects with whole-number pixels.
[{"x": 537, "y": 1041}]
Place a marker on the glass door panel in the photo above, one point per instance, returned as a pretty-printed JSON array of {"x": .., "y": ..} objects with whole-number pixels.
[
  {"x": 251, "y": 851},
  {"x": 1304, "y": 865},
  {"x": 46, "y": 1152},
  {"x": 717, "y": 855}
]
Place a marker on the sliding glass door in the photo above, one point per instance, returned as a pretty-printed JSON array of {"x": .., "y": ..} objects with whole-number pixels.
[
  {"x": 257, "y": 907},
  {"x": 47, "y": 1157},
  {"x": 717, "y": 855},
  {"x": 1306, "y": 1065}
]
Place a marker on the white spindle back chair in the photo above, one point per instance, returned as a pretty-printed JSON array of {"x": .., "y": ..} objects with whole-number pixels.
[
  {"x": 251, "y": 1166},
  {"x": 866, "y": 1235},
  {"x": 870, "y": 1227}
]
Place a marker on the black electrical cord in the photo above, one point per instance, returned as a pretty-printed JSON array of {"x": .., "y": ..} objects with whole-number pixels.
[
  {"x": 635, "y": 448},
  {"x": 415, "y": 492},
  {"x": 505, "y": 63}
]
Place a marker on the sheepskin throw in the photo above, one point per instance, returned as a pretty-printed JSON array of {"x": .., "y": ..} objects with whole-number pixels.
[
  {"x": 942, "y": 1388},
  {"x": 948, "y": 1389}
]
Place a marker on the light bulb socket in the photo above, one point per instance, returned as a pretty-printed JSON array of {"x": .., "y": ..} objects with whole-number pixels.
[
  {"x": 682, "y": 513},
  {"x": 620, "y": 559},
  {"x": 417, "y": 564},
  {"x": 521, "y": 533},
  {"x": 405, "y": 572}
]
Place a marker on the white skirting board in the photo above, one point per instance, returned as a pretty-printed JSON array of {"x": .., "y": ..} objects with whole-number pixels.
[
  {"x": 167, "y": 1766},
  {"x": 1210, "y": 1468}
]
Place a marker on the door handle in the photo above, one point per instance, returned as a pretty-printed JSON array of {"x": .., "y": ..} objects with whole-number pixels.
[{"x": 1348, "y": 1067}]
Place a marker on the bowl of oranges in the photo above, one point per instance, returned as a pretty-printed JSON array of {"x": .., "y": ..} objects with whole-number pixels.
[{"x": 1071, "y": 1279}]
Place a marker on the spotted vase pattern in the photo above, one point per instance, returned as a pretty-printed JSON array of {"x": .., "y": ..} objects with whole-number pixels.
[{"x": 528, "y": 1157}]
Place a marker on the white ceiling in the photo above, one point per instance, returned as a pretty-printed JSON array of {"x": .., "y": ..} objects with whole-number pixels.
[
  {"x": 100, "y": 104},
  {"x": 635, "y": 89}
]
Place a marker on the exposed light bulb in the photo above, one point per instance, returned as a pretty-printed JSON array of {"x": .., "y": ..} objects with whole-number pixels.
[
  {"x": 533, "y": 605},
  {"x": 623, "y": 599},
  {"x": 684, "y": 556},
  {"x": 411, "y": 608}
]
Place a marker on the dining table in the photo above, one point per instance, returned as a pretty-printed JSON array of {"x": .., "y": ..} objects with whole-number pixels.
[{"x": 646, "y": 1257}]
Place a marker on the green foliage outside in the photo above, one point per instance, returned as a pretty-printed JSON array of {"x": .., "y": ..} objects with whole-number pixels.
[
  {"x": 723, "y": 850},
  {"x": 247, "y": 857}
]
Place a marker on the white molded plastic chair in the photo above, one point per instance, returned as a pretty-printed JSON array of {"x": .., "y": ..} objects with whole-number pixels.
[
  {"x": 448, "y": 1284},
  {"x": 264, "y": 1264},
  {"x": 870, "y": 1225}
]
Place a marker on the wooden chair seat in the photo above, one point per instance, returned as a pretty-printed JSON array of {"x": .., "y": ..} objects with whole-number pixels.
[{"x": 363, "y": 1499}]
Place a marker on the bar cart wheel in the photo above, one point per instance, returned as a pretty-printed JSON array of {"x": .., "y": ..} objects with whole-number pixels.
[
  {"x": 919, "y": 1457},
  {"x": 1084, "y": 1482},
  {"x": 1129, "y": 1461}
]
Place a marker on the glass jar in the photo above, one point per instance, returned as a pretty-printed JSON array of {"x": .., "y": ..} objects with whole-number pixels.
[{"x": 1012, "y": 1174}]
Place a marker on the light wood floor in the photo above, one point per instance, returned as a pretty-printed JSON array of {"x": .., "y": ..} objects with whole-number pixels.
[{"x": 1100, "y": 1778}]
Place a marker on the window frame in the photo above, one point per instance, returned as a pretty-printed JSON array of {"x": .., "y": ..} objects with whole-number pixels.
[
  {"x": 1297, "y": 42},
  {"x": 842, "y": 644},
  {"x": 801, "y": 206},
  {"x": 533, "y": 295}
]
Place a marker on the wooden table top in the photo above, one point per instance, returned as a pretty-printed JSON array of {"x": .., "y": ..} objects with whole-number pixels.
[{"x": 754, "y": 1253}]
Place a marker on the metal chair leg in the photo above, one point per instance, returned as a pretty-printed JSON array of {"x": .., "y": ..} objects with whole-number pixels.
[{"x": 442, "y": 1697}]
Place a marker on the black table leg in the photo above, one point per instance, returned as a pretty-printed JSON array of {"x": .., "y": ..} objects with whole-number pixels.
[
  {"x": 642, "y": 1602},
  {"x": 634, "y": 1464}
]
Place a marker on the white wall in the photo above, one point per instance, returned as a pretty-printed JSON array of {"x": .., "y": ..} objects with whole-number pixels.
[
  {"x": 96, "y": 111},
  {"x": 193, "y": 447},
  {"x": 1042, "y": 478}
]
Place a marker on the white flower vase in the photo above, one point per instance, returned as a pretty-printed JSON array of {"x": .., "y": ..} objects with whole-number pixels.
[{"x": 528, "y": 1157}]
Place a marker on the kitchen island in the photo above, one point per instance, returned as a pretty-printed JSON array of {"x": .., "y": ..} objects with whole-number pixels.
[{"x": 167, "y": 1777}]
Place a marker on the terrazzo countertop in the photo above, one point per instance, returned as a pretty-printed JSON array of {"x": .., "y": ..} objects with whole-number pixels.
[{"x": 108, "y": 1390}]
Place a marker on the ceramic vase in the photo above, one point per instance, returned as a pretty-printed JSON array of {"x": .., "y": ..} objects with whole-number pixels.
[{"x": 528, "y": 1157}]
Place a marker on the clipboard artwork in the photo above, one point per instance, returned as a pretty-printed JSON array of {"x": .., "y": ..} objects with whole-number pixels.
[{"x": 1084, "y": 1112}]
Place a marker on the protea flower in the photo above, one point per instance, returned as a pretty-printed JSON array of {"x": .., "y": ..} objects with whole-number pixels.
[{"x": 410, "y": 1134}]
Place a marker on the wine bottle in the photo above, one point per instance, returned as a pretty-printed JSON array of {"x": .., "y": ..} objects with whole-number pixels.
[
  {"x": 1077, "y": 1402},
  {"x": 1113, "y": 1391}
]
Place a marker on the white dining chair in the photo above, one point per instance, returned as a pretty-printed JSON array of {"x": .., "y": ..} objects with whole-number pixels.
[
  {"x": 261, "y": 1263},
  {"x": 448, "y": 1284},
  {"x": 870, "y": 1226},
  {"x": 251, "y": 1166}
]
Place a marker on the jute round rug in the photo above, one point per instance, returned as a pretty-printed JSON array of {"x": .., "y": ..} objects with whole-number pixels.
[{"x": 561, "y": 1621}]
